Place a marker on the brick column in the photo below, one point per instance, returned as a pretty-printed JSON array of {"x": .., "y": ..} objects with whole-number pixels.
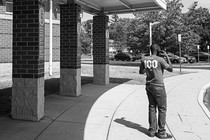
[
  {"x": 28, "y": 60},
  {"x": 70, "y": 57},
  {"x": 100, "y": 50}
]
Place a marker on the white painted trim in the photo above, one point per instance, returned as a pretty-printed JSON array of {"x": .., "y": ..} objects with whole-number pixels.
[
  {"x": 50, "y": 39},
  {"x": 161, "y": 3},
  {"x": 6, "y": 16},
  {"x": 200, "y": 99},
  {"x": 53, "y": 21},
  {"x": 10, "y": 17}
]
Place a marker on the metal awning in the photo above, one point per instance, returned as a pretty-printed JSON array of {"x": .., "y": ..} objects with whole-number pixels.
[{"x": 119, "y": 6}]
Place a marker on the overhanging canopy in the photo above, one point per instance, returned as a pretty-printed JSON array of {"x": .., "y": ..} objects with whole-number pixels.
[{"x": 119, "y": 6}]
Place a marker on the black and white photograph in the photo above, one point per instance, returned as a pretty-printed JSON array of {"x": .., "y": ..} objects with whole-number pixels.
[{"x": 104, "y": 69}]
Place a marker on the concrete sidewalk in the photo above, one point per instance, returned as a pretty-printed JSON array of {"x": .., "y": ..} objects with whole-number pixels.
[
  {"x": 116, "y": 112},
  {"x": 186, "y": 120}
]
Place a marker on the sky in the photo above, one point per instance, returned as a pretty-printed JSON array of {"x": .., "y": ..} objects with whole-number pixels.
[
  {"x": 202, "y": 3},
  {"x": 186, "y": 3}
]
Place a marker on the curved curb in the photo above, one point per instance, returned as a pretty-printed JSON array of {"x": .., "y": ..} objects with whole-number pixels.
[
  {"x": 115, "y": 96},
  {"x": 200, "y": 99},
  {"x": 110, "y": 124}
]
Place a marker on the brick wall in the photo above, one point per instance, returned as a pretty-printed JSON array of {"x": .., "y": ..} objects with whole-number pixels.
[
  {"x": 28, "y": 40},
  {"x": 70, "y": 43},
  {"x": 6, "y": 37},
  {"x": 100, "y": 42}
]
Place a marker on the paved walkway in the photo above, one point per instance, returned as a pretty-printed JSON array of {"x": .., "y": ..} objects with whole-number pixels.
[{"x": 116, "y": 112}]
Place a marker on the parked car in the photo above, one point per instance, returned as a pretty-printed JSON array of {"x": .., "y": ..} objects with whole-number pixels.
[
  {"x": 111, "y": 56},
  {"x": 183, "y": 60},
  {"x": 203, "y": 56},
  {"x": 146, "y": 54},
  {"x": 190, "y": 59},
  {"x": 137, "y": 57},
  {"x": 123, "y": 56},
  {"x": 176, "y": 59},
  {"x": 160, "y": 54},
  {"x": 173, "y": 58}
]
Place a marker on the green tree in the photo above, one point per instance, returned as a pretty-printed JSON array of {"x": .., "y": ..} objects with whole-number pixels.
[
  {"x": 165, "y": 33},
  {"x": 85, "y": 42},
  {"x": 87, "y": 27},
  {"x": 55, "y": 7},
  {"x": 198, "y": 20},
  {"x": 138, "y": 36},
  {"x": 114, "y": 18},
  {"x": 117, "y": 31},
  {"x": 171, "y": 25},
  {"x": 86, "y": 37}
]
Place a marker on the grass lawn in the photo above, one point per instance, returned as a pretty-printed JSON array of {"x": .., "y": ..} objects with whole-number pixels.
[{"x": 118, "y": 74}]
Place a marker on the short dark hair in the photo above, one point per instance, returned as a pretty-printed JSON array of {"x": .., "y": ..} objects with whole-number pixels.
[{"x": 155, "y": 47}]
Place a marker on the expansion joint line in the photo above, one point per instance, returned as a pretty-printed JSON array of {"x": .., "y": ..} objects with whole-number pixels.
[
  {"x": 53, "y": 120},
  {"x": 110, "y": 124}
]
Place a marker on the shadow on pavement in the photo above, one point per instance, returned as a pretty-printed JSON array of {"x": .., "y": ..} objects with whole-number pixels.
[
  {"x": 5, "y": 101},
  {"x": 206, "y": 99},
  {"x": 132, "y": 125},
  {"x": 78, "y": 118},
  {"x": 52, "y": 86}
]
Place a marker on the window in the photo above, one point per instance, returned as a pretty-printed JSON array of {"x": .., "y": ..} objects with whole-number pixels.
[{"x": 9, "y": 7}]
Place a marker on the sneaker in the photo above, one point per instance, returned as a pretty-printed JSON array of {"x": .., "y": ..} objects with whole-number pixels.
[
  {"x": 163, "y": 136},
  {"x": 151, "y": 133}
]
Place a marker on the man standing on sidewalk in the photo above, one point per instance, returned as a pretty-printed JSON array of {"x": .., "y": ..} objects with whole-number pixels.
[{"x": 154, "y": 67}]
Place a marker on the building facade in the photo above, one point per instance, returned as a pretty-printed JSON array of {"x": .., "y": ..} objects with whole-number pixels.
[
  {"x": 24, "y": 37},
  {"x": 6, "y": 29}
]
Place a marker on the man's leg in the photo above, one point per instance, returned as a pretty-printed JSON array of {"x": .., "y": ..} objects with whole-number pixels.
[
  {"x": 162, "y": 106},
  {"x": 152, "y": 112}
]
